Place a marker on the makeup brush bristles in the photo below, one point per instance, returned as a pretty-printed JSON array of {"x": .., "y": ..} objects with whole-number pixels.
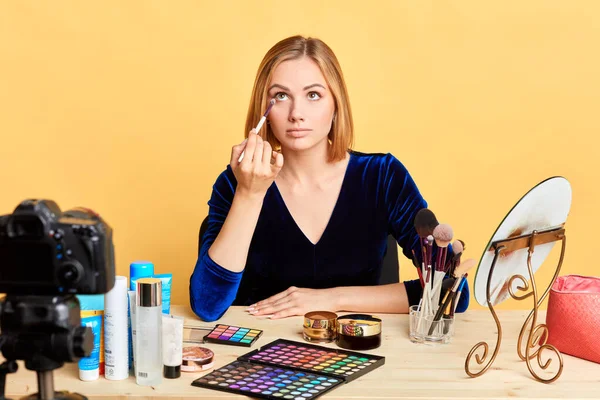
[
  {"x": 457, "y": 247},
  {"x": 443, "y": 234},
  {"x": 271, "y": 104},
  {"x": 425, "y": 222},
  {"x": 464, "y": 267}
]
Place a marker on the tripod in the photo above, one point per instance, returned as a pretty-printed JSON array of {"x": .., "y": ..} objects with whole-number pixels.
[{"x": 45, "y": 332}]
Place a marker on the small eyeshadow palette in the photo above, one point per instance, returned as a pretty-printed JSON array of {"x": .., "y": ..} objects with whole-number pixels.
[
  {"x": 267, "y": 382},
  {"x": 233, "y": 335},
  {"x": 310, "y": 358}
]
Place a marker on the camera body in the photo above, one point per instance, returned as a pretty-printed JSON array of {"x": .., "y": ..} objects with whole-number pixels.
[{"x": 44, "y": 251}]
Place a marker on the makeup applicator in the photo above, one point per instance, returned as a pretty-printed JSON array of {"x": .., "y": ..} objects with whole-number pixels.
[
  {"x": 425, "y": 222},
  {"x": 443, "y": 236},
  {"x": 457, "y": 249},
  {"x": 260, "y": 123}
]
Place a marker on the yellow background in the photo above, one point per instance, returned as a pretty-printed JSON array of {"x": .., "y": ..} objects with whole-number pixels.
[{"x": 131, "y": 107}]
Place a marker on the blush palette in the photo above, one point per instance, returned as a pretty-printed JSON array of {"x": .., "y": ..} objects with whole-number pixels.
[
  {"x": 267, "y": 382},
  {"x": 346, "y": 365}
]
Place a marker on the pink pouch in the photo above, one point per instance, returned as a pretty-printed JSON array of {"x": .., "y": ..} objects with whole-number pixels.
[{"x": 573, "y": 316}]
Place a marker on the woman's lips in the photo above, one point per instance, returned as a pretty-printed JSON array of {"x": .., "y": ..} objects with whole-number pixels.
[{"x": 298, "y": 133}]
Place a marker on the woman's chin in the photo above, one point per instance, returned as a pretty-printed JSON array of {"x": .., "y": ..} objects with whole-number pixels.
[{"x": 301, "y": 144}]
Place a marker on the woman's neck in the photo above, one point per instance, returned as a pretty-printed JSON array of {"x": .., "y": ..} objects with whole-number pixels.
[{"x": 310, "y": 167}]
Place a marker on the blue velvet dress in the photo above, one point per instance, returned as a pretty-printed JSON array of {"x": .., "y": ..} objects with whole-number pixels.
[{"x": 378, "y": 197}]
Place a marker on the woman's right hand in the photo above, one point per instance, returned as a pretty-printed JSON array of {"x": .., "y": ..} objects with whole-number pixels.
[{"x": 259, "y": 167}]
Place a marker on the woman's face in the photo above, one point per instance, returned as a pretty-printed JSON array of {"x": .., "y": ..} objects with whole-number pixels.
[{"x": 302, "y": 117}]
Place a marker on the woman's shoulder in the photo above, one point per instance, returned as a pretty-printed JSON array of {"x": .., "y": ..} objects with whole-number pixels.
[
  {"x": 377, "y": 161},
  {"x": 225, "y": 182},
  {"x": 227, "y": 174}
]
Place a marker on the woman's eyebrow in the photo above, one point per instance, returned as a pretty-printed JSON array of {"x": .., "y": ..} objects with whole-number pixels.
[{"x": 276, "y": 85}]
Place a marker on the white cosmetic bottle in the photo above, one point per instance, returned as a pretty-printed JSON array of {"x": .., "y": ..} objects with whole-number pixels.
[
  {"x": 148, "y": 345},
  {"x": 116, "y": 344}
]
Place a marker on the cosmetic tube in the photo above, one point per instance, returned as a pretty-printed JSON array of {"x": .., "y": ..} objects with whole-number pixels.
[
  {"x": 172, "y": 345},
  {"x": 89, "y": 367},
  {"x": 90, "y": 313},
  {"x": 166, "y": 280},
  {"x": 148, "y": 332},
  {"x": 131, "y": 333},
  {"x": 116, "y": 347},
  {"x": 139, "y": 269}
]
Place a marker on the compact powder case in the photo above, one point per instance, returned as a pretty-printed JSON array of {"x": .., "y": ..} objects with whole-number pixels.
[
  {"x": 319, "y": 326},
  {"x": 358, "y": 332}
]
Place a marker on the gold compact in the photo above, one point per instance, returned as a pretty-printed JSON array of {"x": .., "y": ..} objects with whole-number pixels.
[
  {"x": 319, "y": 326},
  {"x": 358, "y": 332}
]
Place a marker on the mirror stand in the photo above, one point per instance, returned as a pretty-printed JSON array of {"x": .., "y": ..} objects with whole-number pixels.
[{"x": 537, "y": 335}]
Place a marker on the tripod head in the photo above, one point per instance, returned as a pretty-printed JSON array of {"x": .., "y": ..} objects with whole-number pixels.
[{"x": 45, "y": 332}]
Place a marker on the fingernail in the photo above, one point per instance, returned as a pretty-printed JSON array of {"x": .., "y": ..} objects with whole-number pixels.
[
  {"x": 253, "y": 312},
  {"x": 250, "y": 308}
]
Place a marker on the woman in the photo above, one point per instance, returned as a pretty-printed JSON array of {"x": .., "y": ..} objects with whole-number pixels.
[{"x": 301, "y": 222}]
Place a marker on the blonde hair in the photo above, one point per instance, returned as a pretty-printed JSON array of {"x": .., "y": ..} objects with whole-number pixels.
[{"x": 341, "y": 135}]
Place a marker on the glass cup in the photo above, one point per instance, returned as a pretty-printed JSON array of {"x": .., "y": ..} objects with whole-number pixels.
[{"x": 423, "y": 329}]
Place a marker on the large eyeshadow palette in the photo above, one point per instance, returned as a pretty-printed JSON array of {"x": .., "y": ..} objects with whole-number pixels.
[
  {"x": 233, "y": 335},
  {"x": 347, "y": 365},
  {"x": 267, "y": 382}
]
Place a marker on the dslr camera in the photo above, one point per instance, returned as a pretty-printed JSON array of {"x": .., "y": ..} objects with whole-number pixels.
[
  {"x": 47, "y": 257},
  {"x": 44, "y": 251}
]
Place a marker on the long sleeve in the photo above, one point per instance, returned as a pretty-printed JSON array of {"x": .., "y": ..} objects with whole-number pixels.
[
  {"x": 402, "y": 201},
  {"x": 212, "y": 287}
]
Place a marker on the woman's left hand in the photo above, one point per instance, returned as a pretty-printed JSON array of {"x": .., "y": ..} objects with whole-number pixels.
[{"x": 294, "y": 301}]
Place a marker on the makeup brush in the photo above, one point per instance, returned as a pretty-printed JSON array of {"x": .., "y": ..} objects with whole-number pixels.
[
  {"x": 425, "y": 222},
  {"x": 443, "y": 236},
  {"x": 260, "y": 123},
  {"x": 456, "y": 297},
  {"x": 457, "y": 249},
  {"x": 428, "y": 246},
  {"x": 460, "y": 271},
  {"x": 428, "y": 254},
  {"x": 449, "y": 311}
]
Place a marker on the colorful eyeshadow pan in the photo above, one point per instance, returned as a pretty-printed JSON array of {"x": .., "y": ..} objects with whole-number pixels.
[
  {"x": 233, "y": 335},
  {"x": 347, "y": 365},
  {"x": 267, "y": 382}
]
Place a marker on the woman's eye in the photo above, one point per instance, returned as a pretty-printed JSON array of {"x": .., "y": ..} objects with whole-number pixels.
[
  {"x": 281, "y": 96},
  {"x": 314, "y": 96}
]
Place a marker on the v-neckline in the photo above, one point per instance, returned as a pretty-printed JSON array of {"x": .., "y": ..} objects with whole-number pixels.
[{"x": 333, "y": 212}]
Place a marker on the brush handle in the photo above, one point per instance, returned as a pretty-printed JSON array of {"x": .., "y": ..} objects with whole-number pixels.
[
  {"x": 447, "y": 299},
  {"x": 260, "y": 124},
  {"x": 440, "y": 312},
  {"x": 242, "y": 155},
  {"x": 443, "y": 255},
  {"x": 457, "y": 296}
]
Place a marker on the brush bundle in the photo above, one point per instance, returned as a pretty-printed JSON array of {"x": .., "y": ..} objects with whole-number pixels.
[{"x": 442, "y": 277}]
